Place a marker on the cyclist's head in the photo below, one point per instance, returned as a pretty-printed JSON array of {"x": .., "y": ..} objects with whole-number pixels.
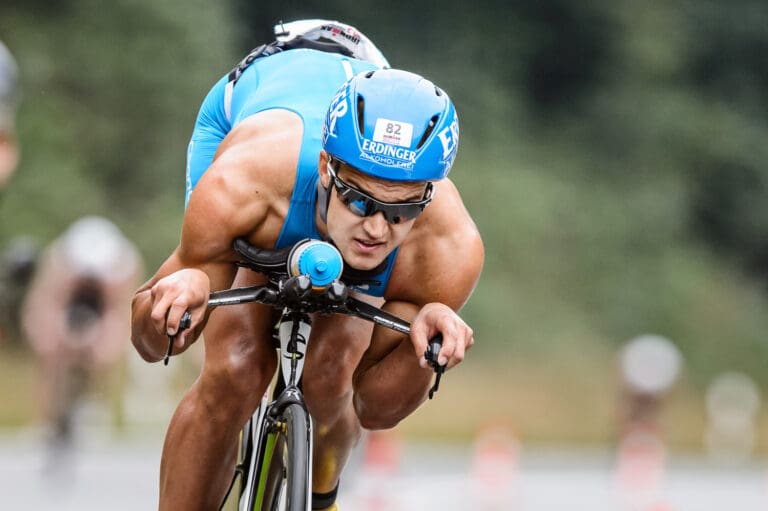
[
  {"x": 9, "y": 89},
  {"x": 392, "y": 125},
  {"x": 95, "y": 247},
  {"x": 354, "y": 42}
]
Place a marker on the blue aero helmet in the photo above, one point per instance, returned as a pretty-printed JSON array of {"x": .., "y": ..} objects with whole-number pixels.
[{"x": 393, "y": 125}]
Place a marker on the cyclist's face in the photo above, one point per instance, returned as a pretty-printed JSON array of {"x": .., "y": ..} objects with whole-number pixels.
[{"x": 366, "y": 241}]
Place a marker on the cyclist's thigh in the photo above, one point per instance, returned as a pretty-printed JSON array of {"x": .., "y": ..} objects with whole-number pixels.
[
  {"x": 337, "y": 344},
  {"x": 239, "y": 351}
]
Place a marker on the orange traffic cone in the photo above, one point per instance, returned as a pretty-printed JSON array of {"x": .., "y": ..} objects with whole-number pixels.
[{"x": 494, "y": 470}]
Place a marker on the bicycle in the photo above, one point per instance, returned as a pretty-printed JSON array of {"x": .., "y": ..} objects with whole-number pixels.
[
  {"x": 73, "y": 372},
  {"x": 275, "y": 452}
]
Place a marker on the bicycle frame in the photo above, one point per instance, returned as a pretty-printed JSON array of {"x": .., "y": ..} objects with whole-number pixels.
[{"x": 293, "y": 331}]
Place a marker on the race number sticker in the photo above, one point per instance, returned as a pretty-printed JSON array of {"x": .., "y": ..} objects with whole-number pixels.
[{"x": 393, "y": 132}]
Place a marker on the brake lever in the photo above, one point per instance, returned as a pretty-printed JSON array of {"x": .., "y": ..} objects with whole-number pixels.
[
  {"x": 432, "y": 355},
  {"x": 186, "y": 321}
]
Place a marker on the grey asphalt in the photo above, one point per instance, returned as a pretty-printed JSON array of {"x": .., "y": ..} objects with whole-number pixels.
[{"x": 120, "y": 473}]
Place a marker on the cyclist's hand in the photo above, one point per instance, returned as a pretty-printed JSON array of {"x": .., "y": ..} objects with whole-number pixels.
[
  {"x": 184, "y": 290},
  {"x": 436, "y": 318}
]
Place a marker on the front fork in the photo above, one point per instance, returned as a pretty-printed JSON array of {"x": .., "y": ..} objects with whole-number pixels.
[{"x": 294, "y": 329}]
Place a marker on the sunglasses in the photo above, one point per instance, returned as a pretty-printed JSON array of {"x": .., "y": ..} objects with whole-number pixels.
[{"x": 362, "y": 204}]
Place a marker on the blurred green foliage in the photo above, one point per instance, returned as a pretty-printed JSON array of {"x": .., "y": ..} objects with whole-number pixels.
[
  {"x": 110, "y": 97},
  {"x": 612, "y": 152}
]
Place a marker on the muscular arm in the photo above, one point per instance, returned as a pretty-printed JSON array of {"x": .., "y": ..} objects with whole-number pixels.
[
  {"x": 436, "y": 271},
  {"x": 439, "y": 264},
  {"x": 235, "y": 197},
  {"x": 200, "y": 263},
  {"x": 239, "y": 195}
]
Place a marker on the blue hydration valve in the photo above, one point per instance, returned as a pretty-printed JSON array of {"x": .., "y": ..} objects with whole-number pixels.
[{"x": 319, "y": 260}]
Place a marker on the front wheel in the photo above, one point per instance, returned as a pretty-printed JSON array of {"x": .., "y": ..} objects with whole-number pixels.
[{"x": 286, "y": 469}]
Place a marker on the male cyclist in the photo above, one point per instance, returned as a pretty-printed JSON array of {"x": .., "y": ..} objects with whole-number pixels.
[
  {"x": 367, "y": 173},
  {"x": 75, "y": 316}
]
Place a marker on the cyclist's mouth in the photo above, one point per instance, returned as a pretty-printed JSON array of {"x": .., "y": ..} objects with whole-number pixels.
[{"x": 368, "y": 246}]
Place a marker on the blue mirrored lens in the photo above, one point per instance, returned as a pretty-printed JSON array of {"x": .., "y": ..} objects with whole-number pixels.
[{"x": 357, "y": 207}]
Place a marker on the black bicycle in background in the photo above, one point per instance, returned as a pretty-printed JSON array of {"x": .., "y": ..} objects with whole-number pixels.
[{"x": 275, "y": 456}]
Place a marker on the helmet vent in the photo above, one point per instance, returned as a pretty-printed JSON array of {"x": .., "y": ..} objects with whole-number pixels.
[
  {"x": 369, "y": 73},
  {"x": 428, "y": 131},
  {"x": 360, "y": 114},
  {"x": 438, "y": 92}
]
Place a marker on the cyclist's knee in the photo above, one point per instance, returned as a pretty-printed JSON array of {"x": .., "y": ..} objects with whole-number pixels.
[
  {"x": 328, "y": 394},
  {"x": 328, "y": 385},
  {"x": 236, "y": 381},
  {"x": 328, "y": 379},
  {"x": 376, "y": 412},
  {"x": 374, "y": 419}
]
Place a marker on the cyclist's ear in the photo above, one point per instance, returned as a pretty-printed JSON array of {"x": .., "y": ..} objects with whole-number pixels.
[
  {"x": 323, "y": 185},
  {"x": 322, "y": 169}
]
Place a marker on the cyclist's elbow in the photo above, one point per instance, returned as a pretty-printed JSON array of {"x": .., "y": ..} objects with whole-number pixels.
[
  {"x": 143, "y": 337},
  {"x": 145, "y": 348}
]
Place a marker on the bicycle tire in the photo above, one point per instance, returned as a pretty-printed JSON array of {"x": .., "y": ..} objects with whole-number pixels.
[
  {"x": 287, "y": 468},
  {"x": 244, "y": 456}
]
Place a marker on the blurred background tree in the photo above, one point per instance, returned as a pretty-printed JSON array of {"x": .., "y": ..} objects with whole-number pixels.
[{"x": 612, "y": 155}]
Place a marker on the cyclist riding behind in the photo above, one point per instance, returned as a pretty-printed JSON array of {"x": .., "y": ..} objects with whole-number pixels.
[
  {"x": 367, "y": 173},
  {"x": 75, "y": 316}
]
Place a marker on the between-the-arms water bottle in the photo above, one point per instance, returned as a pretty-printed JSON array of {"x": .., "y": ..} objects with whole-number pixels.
[{"x": 319, "y": 260}]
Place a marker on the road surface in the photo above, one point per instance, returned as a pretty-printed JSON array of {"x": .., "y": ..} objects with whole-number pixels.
[{"x": 121, "y": 474}]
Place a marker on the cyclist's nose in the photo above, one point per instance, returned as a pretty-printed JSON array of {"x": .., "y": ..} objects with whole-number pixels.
[{"x": 376, "y": 225}]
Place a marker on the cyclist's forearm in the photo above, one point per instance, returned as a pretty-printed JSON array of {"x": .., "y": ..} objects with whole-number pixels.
[
  {"x": 388, "y": 390},
  {"x": 159, "y": 304}
]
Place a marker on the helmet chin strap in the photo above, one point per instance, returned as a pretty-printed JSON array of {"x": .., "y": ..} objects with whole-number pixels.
[{"x": 323, "y": 200}]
